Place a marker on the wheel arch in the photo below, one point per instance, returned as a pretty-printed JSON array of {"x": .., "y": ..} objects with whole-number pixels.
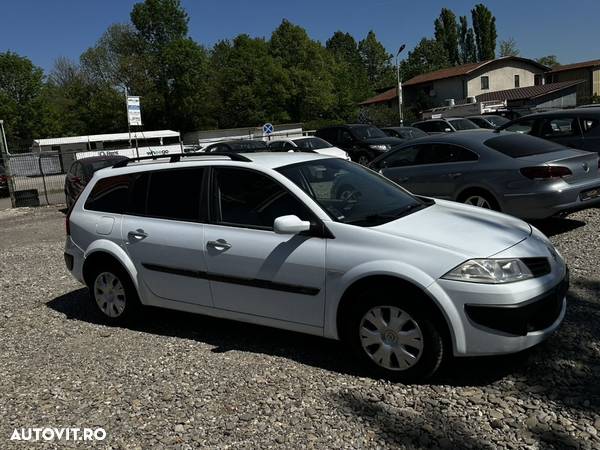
[
  {"x": 396, "y": 284},
  {"x": 476, "y": 189},
  {"x": 107, "y": 250}
]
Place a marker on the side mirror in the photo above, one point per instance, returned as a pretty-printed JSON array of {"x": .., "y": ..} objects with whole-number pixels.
[{"x": 290, "y": 225}]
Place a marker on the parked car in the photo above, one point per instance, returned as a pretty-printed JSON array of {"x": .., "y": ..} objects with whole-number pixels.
[
  {"x": 237, "y": 146},
  {"x": 81, "y": 171},
  {"x": 3, "y": 182},
  {"x": 404, "y": 281},
  {"x": 517, "y": 174},
  {"x": 449, "y": 125},
  {"x": 362, "y": 142},
  {"x": 577, "y": 128},
  {"x": 307, "y": 144},
  {"x": 404, "y": 133},
  {"x": 488, "y": 121}
]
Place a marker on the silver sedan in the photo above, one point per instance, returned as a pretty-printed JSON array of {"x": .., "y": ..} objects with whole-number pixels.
[{"x": 517, "y": 174}]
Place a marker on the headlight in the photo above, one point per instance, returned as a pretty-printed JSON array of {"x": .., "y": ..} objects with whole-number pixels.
[
  {"x": 490, "y": 271},
  {"x": 380, "y": 147}
]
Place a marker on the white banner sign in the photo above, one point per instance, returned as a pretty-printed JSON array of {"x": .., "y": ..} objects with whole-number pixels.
[
  {"x": 132, "y": 152},
  {"x": 134, "y": 112}
]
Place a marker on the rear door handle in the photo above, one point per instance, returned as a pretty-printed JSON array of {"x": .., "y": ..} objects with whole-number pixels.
[
  {"x": 219, "y": 244},
  {"x": 137, "y": 235},
  {"x": 455, "y": 174}
]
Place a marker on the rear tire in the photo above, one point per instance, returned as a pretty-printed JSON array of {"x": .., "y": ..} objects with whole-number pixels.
[
  {"x": 395, "y": 339},
  {"x": 113, "y": 295}
]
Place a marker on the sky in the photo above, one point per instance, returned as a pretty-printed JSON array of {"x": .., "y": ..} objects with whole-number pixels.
[{"x": 43, "y": 30}]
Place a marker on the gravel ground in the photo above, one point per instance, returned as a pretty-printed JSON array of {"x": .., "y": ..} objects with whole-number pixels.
[{"x": 184, "y": 381}]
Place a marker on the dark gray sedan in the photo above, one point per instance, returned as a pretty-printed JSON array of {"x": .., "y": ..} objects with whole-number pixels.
[{"x": 517, "y": 174}]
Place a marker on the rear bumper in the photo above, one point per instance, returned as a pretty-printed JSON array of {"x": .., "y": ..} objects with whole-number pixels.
[
  {"x": 562, "y": 199},
  {"x": 74, "y": 257}
]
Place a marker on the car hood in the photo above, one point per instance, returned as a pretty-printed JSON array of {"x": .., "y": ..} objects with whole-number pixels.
[{"x": 462, "y": 229}]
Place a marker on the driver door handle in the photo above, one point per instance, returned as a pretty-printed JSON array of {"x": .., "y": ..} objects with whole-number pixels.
[
  {"x": 455, "y": 174},
  {"x": 219, "y": 244}
]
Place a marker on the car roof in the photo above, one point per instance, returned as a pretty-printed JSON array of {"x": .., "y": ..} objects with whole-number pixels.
[
  {"x": 464, "y": 137},
  {"x": 265, "y": 160},
  {"x": 93, "y": 159},
  {"x": 238, "y": 141},
  {"x": 576, "y": 112}
]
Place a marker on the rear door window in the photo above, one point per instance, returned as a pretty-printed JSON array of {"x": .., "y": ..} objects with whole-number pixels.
[
  {"x": 590, "y": 126},
  {"x": 176, "y": 194}
]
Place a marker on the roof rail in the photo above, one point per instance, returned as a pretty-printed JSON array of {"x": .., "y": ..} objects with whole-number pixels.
[{"x": 176, "y": 157}]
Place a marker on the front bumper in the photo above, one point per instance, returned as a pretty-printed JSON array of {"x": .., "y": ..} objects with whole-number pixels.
[
  {"x": 561, "y": 198},
  {"x": 492, "y": 319}
]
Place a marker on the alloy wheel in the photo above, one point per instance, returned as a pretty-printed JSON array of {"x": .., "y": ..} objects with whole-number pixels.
[
  {"x": 109, "y": 294},
  {"x": 478, "y": 200},
  {"x": 391, "y": 338},
  {"x": 363, "y": 160}
]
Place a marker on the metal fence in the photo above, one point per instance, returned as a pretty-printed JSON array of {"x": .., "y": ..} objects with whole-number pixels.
[{"x": 36, "y": 179}]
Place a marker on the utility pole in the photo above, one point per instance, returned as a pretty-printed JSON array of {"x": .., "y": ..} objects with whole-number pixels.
[{"x": 400, "y": 115}]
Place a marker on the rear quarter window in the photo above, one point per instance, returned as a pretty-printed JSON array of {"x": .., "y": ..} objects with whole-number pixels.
[
  {"x": 109, "y": 195},
  {"x": 518, "y": 145}
]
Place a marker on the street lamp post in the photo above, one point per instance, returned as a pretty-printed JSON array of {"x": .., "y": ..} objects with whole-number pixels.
[{"x": 399, "y": 83}]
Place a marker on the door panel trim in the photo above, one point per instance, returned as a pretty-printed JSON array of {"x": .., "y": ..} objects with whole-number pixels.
[{"x": 254, "y": 282}]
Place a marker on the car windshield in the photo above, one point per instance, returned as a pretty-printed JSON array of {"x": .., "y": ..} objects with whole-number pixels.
[
  {"x": 411, "y": 133},
  {"x": 352, "y": 194},
  {"x": 463, "y": 124},
  {"x": 368, "y": 132},
  {"x": 497, "y": 121},
  {"x": 312, "y": 143},
  {"x": 518, "y": 145}
]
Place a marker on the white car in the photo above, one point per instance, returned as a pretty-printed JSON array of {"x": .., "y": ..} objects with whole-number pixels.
[
  {"x": 261, "y": 238},
  {"x": 307, "y": 144}
]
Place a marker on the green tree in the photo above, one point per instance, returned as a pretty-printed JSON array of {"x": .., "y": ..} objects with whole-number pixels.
[
  {"x": 350, "y": 77},
  {"x": 427, "y": 56},
  {"x": 484, "y": 26},
  {"x": 249, "y": 85},
  {"x": 377, "y": 62},
  {"x": 468, "y": 51},
  {"x": 549, "y": 61},
  {"x": 446, "y": 33},
  {"x": 508, "y": 47},
  {"x": 21, "y": 100},
  {"x": 309, "y": 68},
  {"x": 160, "y": 22}
]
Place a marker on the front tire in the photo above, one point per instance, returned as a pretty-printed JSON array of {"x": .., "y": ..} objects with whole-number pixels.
[
  {"x": 393, "y": 339},
  {"x": 113, "y": 295}
]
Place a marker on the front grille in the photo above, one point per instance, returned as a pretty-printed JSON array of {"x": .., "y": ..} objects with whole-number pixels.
[
  {"x": 538, "y": 266},
  {"x": 535, "y": 315}
]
